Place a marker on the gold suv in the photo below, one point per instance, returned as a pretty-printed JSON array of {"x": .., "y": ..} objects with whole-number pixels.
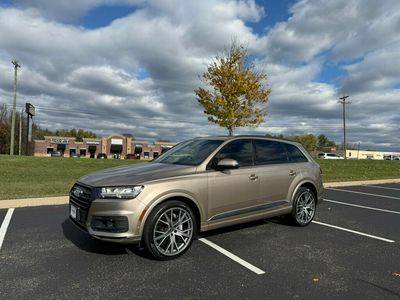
[{"x": 199, "y": 185}]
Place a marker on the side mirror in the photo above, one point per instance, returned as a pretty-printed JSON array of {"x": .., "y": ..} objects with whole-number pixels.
[{"x": 227, "y": 164}]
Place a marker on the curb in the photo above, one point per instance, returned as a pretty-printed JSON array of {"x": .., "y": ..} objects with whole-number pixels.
[
  {"x": 30, "y": 202},
  {"x": 362, "y": 182}
]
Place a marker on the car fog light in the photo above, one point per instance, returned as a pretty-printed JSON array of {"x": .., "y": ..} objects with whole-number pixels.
[{"x": 116, "y": 224}]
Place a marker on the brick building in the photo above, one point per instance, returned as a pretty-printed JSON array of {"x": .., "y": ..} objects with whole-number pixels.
[{"x": 112, "y": 146}]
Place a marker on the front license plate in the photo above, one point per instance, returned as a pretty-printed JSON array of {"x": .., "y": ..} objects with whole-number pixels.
[{"x": 72, "y": 212}]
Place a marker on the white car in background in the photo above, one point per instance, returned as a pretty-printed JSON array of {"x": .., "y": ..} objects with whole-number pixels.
[{"x": 329, "y": 156}]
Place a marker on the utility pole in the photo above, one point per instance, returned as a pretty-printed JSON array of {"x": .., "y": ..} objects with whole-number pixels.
[
  {"x": 344, "y": 103},
  {"x": 20, "y": 133},
  {"x": 16, "y": 66}
]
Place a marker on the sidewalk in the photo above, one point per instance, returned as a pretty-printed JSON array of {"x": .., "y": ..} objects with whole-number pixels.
[{"x": 28, "y": 202}]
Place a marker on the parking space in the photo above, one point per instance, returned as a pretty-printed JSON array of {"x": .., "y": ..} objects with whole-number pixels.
[
  {"x": 370, "y": 191},
  {"x": 344, "y": 195},
  {"x": 44, "y": 255}
]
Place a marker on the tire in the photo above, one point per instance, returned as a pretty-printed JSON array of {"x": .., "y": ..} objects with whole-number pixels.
[
  {"x": 165, "y": 240},
  {"x": 304, "y": 207}
]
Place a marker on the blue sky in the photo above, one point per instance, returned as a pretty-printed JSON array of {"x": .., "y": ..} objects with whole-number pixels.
[
  {"x": 137, "y": 75},
  {"x": 274, "y": 11},
  {"x": 103, "y": 15}
]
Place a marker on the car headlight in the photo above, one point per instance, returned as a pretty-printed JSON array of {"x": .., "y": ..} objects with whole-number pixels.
[{"x": 121, "y": 192}]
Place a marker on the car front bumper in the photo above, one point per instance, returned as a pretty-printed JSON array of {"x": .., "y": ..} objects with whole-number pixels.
[{"x": 119, "y": 219}]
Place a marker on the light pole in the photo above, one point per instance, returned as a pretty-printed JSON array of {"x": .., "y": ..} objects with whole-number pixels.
[
  {"x": 344, "y": 103},
  {"x": 16, "y": 66}
]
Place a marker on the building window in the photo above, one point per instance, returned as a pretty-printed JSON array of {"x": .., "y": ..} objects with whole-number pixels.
[
  {"x": 82, "y": 152},
  {"x": 49, "y": 150},
  {"x": 72, "y": 152},
  {"x": 92, "y": 151},
  {"x": 146, "y": 155},
  {"x": 349, "y": 154},
  {"x": 138, "y": 151},
  {"x": 155, "y": 155},
  {"x": 61, "y": 148}
]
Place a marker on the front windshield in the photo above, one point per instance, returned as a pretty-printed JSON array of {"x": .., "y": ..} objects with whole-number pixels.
[{"x": 192, "y": 152}]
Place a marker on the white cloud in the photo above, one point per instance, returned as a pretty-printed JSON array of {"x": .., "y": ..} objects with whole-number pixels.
[{"x": 138, "y": 73}]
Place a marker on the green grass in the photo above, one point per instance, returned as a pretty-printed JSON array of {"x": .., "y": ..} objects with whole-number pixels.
[
  {"x": 352, "y": 170},
  {"x": 25, "y": 177}
]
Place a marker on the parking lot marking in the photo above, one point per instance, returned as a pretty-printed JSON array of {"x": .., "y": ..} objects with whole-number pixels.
[
  {"x": 362, "y": 193},
  {"x": 4, "y": 225},
  {"x": 362, "y": 206},
  {"x": 232, "y": 256},
  {"x": 355, "y": 232},
  {"x": 383, "y": 187}
]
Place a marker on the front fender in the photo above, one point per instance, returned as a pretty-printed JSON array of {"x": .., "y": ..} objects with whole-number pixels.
[{"x": 164, "y": 197}]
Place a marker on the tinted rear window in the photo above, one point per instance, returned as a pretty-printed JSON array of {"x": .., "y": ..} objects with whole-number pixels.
[
  {"x": 269, "y": 152},
  {"x": 294, "y": 154}
]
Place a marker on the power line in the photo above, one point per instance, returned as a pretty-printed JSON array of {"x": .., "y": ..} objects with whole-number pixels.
[{"x": 170, "y": 118}]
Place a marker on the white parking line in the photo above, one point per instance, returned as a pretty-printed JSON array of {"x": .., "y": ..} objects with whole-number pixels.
[
  {"x": 383, "y": 187},
  {"x": 362, "y": 193},
  {"x": 355, "y": 232},
  {"x": 4, "y": 225},
  {"x": 362, "y": 206},
  {"x": 232, "y": 256}
]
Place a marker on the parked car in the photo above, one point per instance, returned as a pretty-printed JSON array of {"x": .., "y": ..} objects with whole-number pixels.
[
  {"x": 56, "y": 154},
  {"x": 102, "y": 156},
  {"x": 329, "y": 156},
  {"x": 199, "y": 185}
]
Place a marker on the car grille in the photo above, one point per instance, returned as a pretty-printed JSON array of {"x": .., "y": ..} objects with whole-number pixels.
[{"x": 81, "y": 197}]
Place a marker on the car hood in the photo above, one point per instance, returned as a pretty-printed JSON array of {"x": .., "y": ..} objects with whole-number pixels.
[{"x": 135, "y": 174}]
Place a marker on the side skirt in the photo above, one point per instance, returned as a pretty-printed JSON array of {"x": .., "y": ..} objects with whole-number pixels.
[{"x": 246, "y": 210}]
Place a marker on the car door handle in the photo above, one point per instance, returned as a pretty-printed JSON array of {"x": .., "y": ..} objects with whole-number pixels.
[
  {"x": 292, "y": 173},
  {"x": 253, "y": 177}
]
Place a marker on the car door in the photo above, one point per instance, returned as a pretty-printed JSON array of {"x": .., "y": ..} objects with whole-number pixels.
[
  {"x": 274, "y": 170},
  {"x": 231, "y": 191}
]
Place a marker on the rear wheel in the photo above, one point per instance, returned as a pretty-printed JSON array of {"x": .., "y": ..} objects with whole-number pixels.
[
  {"x": 169, "y": 230},
  {"x": 304, "y": 206}
]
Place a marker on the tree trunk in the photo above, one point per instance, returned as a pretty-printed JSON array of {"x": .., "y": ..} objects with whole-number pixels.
[{"x": 230, "y": 130}]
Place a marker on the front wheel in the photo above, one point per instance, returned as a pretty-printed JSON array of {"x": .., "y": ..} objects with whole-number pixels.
[
  {"x": 169, "y": 230},
  {"x": 304, "y": 206}
]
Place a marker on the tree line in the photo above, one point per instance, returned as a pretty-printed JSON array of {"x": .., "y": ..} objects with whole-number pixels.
[
  {"x": 37, "y": 131},
  {"x": 309, "y": 141}
]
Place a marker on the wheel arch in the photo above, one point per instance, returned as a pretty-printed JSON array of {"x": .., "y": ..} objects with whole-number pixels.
[
  {"x": 308, "y": 184},
  {"x": 185, "y": 198}
]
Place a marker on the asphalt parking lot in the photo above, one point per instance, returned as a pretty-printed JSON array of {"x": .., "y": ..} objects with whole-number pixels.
[{"x": 352, "y": 250}]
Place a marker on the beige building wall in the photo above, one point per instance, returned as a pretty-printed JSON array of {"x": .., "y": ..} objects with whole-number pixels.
[
  {"x": 364, "y": 154},
  {"x": 101, "y": 145}
]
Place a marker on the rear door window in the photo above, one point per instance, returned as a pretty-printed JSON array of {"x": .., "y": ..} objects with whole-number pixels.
[
  {"x": 269, "y": 152},
  {"x": 295, "y": 154}
]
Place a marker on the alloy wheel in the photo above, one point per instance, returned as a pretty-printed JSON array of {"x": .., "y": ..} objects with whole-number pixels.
[
  {"x": 173, "y": 231},
  {"x": 305, "y": 207}
]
